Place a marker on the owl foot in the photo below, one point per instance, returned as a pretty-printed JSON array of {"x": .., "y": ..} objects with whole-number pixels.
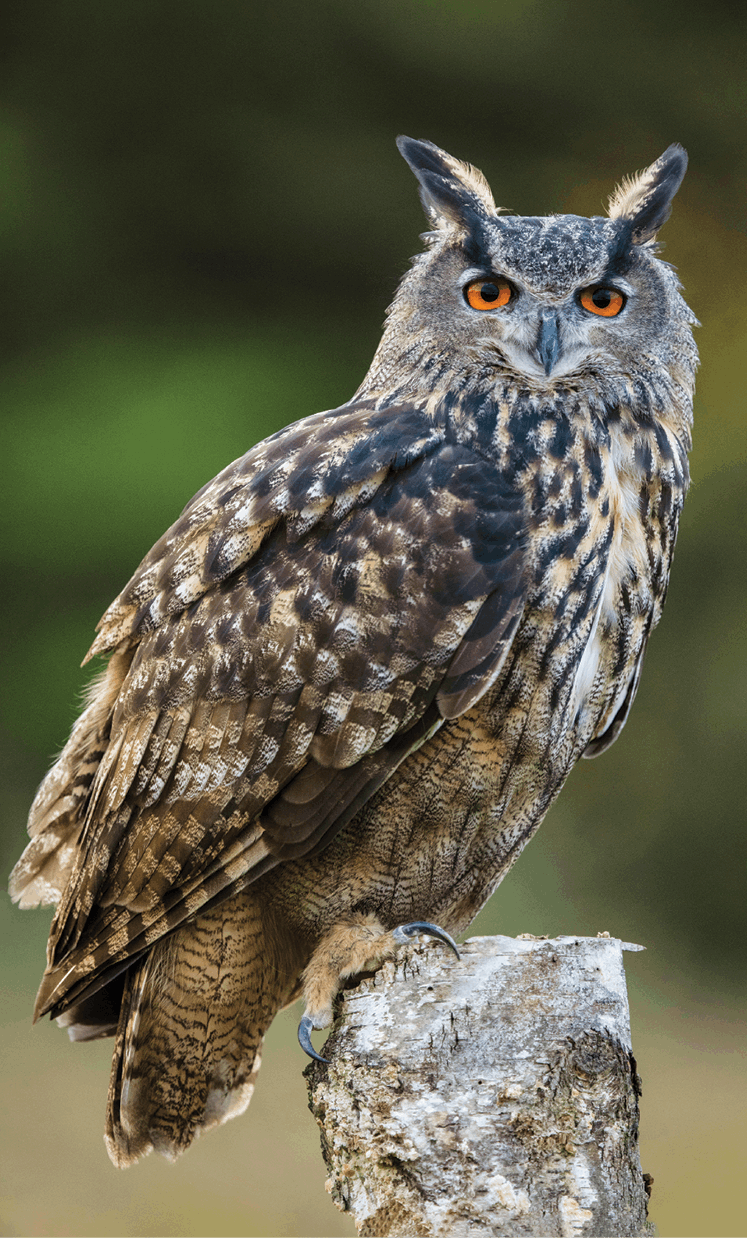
[{"x": 353, "y": 947}]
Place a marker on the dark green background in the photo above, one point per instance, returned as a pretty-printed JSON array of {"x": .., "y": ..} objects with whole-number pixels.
[{"x": 202, "y": 219}]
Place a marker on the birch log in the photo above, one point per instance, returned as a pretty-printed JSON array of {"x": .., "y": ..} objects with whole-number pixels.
[{"x": 493, "y": 1095}]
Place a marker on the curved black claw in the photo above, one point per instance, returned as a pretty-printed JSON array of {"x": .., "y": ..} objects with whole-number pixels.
[
  {"x": 404, "y": 932},
  {"x": 304, "y": 1039}
]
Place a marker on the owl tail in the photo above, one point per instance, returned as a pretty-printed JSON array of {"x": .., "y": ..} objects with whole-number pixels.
[{"x": 193, "y": 1015}]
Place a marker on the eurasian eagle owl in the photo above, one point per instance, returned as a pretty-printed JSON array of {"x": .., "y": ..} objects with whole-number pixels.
[{"x": 344, "y": 687}]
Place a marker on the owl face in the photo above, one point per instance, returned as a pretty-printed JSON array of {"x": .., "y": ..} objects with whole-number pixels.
[{"x": 548, "y": 300}]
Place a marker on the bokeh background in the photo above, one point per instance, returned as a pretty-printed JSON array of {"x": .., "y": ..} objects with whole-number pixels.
[{"x": 202, "y": 219}]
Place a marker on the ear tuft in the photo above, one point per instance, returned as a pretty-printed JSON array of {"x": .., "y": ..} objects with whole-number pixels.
[
  {"x": 645, "y": 200},
  {"x": 453, "y": 193}
]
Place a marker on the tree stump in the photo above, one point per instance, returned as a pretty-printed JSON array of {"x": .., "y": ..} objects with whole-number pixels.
[{"x": 493, "y": 1095}]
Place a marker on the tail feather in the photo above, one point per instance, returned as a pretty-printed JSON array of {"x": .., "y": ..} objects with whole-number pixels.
[{"x": 194, "y": 1012}]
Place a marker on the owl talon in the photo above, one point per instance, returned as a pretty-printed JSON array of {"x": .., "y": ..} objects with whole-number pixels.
[
  {"x": 304, "y": 1039},
  {"x": 405, "y": 932}
]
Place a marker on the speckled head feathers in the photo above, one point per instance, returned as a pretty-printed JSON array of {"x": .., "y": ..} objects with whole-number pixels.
[{"x": 547, "y": 332}]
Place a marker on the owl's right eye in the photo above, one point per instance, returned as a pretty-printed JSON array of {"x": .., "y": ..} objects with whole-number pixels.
[{"x": 488, "y": 294}]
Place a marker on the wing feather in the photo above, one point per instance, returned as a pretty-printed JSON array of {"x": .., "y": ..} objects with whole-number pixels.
[
  {"x": 258, "y": 715},
  {"x": 332, "y": 460}
]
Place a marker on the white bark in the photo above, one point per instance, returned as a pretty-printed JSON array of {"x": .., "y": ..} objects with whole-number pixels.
[{"x": 493, "y": 1095}]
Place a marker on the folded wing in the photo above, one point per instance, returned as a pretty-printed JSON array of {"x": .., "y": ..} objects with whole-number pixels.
[{"x": 278, "y": 678}]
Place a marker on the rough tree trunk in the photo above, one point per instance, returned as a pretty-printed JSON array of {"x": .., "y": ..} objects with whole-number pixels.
[{"x": 493, "y": 1095}]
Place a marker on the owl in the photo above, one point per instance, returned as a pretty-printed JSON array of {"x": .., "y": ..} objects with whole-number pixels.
[{"x": 344, "y": 687}]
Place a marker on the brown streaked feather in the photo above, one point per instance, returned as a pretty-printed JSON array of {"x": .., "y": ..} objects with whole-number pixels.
[
  {"x": 320, "y": 800},
  {"x": 117, "y": 937},
  {"x": 193, "y": 1017},
  {"x": 324, "y": 649},
  {"x": 55, "y": 819},
  {"x": 296, "y": 475},
  {"x": 612, "y": 724}
]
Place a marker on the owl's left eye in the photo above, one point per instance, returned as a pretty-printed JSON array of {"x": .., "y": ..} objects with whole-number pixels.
[
  {"x": 488, "y": 294},
  {"x": 606, "y": 302}
]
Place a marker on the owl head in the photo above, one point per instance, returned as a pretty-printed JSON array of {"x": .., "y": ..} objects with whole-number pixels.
[{"x": 549, "y": 302}]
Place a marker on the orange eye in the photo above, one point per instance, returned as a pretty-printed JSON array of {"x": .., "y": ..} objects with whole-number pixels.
[
  {"x": 488, "y": 294},
  {"x": 606, "y": 302}
]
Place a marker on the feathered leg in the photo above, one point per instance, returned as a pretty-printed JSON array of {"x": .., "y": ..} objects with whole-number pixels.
[
  {"x": 193, "y": 1016},
  {"x": 356, "y": 944}
]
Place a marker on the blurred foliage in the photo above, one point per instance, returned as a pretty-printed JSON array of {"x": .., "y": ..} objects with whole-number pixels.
[{"x": 202, "y": 219}]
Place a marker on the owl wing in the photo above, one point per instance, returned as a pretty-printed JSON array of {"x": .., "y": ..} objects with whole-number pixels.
[{"x": 278, "y": 681}]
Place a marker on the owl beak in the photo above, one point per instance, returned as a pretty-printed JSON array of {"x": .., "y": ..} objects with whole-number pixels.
[{"x": 548, "y": 341}]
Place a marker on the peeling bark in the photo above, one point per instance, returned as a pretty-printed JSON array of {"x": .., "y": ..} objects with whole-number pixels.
[{"x": 493, "y": 1095}]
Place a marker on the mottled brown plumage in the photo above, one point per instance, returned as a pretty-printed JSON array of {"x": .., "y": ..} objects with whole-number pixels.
[{"x": 345, "y": 686}]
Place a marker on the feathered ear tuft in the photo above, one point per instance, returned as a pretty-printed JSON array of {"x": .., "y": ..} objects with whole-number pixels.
[
  {"x": 645, "y": 200},
  {"x": 453, "y": 193}
]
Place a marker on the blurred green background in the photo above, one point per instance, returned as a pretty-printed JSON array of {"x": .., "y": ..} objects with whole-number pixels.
[{"x": 202, "y": 219}]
